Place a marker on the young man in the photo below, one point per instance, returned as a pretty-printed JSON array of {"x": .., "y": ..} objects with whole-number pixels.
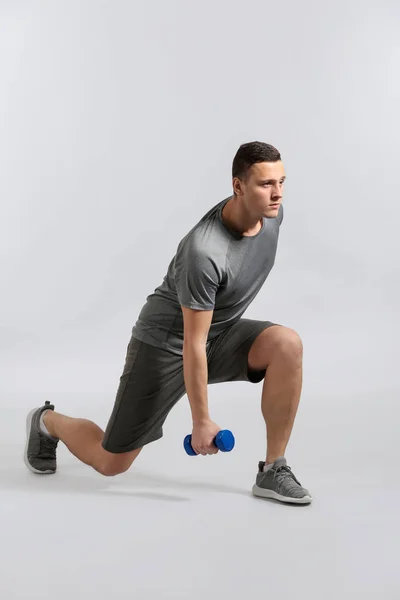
[{"x": 190, "y": 333}]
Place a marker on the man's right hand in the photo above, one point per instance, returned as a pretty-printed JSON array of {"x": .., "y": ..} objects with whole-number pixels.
[{"x": 203, "y": 435}]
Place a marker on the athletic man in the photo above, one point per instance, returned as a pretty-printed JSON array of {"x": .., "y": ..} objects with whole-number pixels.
[{"x": 190, "y": 333}]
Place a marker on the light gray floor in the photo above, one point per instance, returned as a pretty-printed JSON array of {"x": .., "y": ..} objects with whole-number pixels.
[{"x": 181, "y": 527}]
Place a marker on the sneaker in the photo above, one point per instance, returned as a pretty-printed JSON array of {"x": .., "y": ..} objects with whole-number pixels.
[
  {"x": 279, "y": 483},
  {"x": 40, "y": 449}
]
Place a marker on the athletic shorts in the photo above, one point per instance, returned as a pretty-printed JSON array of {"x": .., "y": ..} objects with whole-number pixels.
[{"x": 152, "y": 382}]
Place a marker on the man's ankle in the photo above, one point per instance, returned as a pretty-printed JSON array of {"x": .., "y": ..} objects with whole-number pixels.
[
  {"x": 48, "y": 421},
  {"x": 271, "y": 458}
]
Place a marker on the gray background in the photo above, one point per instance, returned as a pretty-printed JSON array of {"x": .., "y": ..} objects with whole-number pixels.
[{"x": 119, "y": 122}]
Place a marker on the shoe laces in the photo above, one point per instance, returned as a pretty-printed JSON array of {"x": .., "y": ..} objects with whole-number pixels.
[
  {"x": 47, "y": 447},
  {"x": 284, "y": 472}
]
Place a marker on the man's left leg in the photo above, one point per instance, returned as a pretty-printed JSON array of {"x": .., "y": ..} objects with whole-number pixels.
[
  {"x": 253, "y": 350},
  {"x": 279, "y": 350}
]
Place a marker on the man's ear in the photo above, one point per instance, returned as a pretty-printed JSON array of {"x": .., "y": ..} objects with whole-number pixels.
[{"x": 237, "y": 186}]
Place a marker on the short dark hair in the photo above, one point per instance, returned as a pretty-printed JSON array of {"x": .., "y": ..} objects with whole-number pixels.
[{"x": 250, "y": 153}]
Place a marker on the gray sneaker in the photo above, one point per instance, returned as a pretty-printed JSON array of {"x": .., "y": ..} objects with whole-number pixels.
[
  {"x": 40, "y": 449},
  {"x": 280, "y": 483}
]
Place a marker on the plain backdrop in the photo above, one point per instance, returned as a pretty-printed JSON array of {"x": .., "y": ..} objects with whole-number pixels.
[{"x": 119, "y": 121}]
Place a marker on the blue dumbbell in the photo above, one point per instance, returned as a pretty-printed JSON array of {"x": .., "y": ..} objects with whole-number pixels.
[{"x": 224, "y": 440}]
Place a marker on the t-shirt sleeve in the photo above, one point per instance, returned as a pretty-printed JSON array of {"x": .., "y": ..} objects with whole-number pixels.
[{"x": 196, "y": 278}]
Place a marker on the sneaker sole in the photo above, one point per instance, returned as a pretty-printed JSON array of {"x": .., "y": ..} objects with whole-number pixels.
[
  {"x": 28, "y": 431},
  {"x": 263, "y": 493}
]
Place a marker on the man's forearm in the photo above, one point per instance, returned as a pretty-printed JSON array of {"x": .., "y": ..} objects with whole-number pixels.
[{"x": 195, "y": 370}]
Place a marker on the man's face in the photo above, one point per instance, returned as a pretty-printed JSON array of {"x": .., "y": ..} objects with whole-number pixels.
[{"x": 262, "y": 191}]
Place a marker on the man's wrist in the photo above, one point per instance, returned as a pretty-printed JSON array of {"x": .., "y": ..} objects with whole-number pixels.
[{"x": 201, "y": 420}]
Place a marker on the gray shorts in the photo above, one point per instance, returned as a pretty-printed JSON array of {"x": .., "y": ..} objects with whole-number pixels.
[{"x": 152, "y": 382}]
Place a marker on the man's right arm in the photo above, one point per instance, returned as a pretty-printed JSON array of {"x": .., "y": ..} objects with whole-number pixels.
[
  {"x": 195, "y": 367},
  {"x": 196, "y": 325}
]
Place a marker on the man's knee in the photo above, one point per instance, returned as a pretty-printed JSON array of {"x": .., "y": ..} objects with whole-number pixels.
[
  {"x": 275, "y": 343},
  {"x": 112, "y": 464},
  {"x": 290, "y": 342},
  {"x": 111, "y": 470}
]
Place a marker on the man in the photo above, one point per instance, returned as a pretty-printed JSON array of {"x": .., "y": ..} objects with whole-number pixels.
[{"x": 190, "y": 333}]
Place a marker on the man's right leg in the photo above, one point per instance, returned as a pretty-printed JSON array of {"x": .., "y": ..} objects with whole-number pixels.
[
  {"x": 83, "y": 439},
  {"x": 151, "y": 383}
]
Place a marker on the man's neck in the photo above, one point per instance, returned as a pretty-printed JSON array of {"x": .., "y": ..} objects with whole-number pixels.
[{"x": 236, "y": 221}]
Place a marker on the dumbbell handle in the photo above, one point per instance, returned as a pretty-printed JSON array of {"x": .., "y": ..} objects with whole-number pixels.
[{"x": 224, "y": 440}]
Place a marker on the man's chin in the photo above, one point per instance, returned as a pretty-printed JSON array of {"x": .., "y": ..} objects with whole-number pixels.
[{"x": 271, "y": 211}]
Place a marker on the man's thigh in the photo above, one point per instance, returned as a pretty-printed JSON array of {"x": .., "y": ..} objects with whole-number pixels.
[
  {"x": 228, "y": 353},
  {"x": 150, "y": 385}
]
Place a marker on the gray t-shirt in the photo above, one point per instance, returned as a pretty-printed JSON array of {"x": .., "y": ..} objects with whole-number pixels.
[{"x": 214, "y": 268}]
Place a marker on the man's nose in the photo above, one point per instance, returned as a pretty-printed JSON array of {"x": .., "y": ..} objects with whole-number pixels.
[{"x": 277, "y": 193}]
